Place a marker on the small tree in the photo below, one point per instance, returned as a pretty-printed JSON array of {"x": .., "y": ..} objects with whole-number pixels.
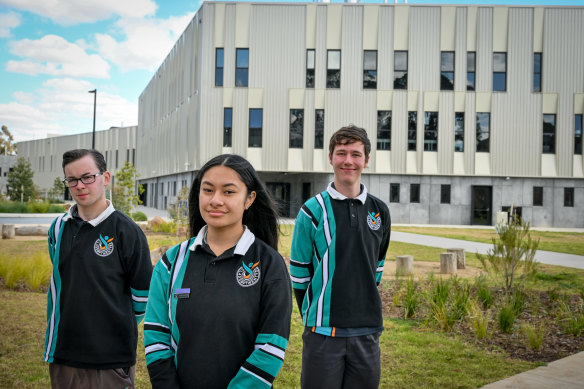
[
  {"x": 512, "y": 251},
  {"x": 124, "y": 194},
  {"x": 57, "y": 191},
  {"x": 20, "y": 184},
  {"x": 179, "y": 211},
  {"x": 7, "y": 145}
]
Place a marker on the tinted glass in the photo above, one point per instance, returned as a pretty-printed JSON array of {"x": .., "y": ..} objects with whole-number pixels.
[
  {"x": 444, "y": 194},
  {"x": 499, "y": 82},
  {"x": 227, "y": 118},
  {"x": 394, "y": 193},
  {"x": 219, "y": 58},
  {"x": 470, "y": 61},
  {"x": 296, "y": 128},
  {"x": 470, "y": 81},
  {"x": 549, "y": 134},
  {"x": 414, "y": 193},
  {"x": 431, "y": 131},
  {"x": 412, "y": 130},
  {"x": 499, "y": 62},
  {"x": 319, "y": 129},
  {"x": 219, "y": 77},
  {"x": 568, "y": 197},
  {"x": 537, "y": 195},
  {"x": 370, "y": 60},
  {"x": 447, "y": 61},
  {"x": 483, "y": 125},
  {"x": 578, "y": 134},
  {"x": 240, "y": 77},
  {"x": 459, "y": 131},
  {"x": 537, "y": 62},
  {"x": 383, "y": 130},
  {"x": 334, "y": 59},
  {"x": 400, "y": 62},
  {"x": 310, "y": 59},
  {"x": 242, "y": 58},
  {"x": 255, "y": 118}
]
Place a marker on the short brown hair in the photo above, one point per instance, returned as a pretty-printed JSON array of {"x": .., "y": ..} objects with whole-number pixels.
[
  {"x": 350, "y": 134},
  {"x": 74, "y": 155}
]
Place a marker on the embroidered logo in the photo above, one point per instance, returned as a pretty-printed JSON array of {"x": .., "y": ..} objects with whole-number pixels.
[
  {"x": 374, "y": 220},
  {"x": 248, "y": 274},
  {"x": 104, "y": 246}
]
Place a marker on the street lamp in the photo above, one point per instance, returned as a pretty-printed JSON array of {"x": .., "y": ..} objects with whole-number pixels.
[{"x": 94, "y": 101}]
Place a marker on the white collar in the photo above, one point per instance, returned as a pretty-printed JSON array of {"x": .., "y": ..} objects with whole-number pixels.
[
  {"x": 335, "y": 194},
  {"x": 94, "y": 222},
  {"x": 243, "y": 244}
]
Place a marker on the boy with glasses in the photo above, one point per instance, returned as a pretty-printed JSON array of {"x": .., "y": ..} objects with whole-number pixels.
[{"x": 99, "y": 285}]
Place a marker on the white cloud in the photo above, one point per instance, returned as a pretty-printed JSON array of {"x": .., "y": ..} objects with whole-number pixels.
[
  {"x": 55, "y": 56},
  {"x": 62, "y": 105},
  {"x": 8, "y": 21},
  {"x": 147, "y": 42},
  {"x": 68, "y": 12}
]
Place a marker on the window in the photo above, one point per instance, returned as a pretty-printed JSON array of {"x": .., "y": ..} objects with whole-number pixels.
[
  {"x": 568, "y": 197},
  {"x": 414, "y": 193},
  {"x": 310, "y": 68},
  {"x": 483, "y": 130},
  {"x": 412, "y": 130},
  {"x": 227, "y": 120},
  {"x": 370, "y": 69},
  {"x": 117, "y": 159},
  {"x": 445, "y": 194},
  {"x": 219, "y": 66},
  {"x": 537, "y": 72},
  {"x": 333, "y": 69},
  {"x": 431, "y": 131},
  {"x": 537, "y": 196},
  {"x": 578, "y": 134},
  {"x": 241, "y": 67},
  {"x": 383, "y": 130},
  {"x": 400, "y": 70},
  {"x": 470, "y": 70},
  {"x": 499, "y": 72},
  {"x": 296, "y": 128},
  {"x": 447, "y": 70},
  {"x": 459, "y": 131},
  {"x": 394, "y": 193},
  {"x": 549, "y": 133},
  {"x": 255, "y": 127},
  {"x": 318, "y": 128},
  {"x": 127, "y": 157}
]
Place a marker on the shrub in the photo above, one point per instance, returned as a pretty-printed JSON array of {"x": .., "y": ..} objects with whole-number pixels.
[
  {"x": 534, "y": 334},
  {"x": 461, "y": 300},
  {"x": 164, "y": 226},
  {"x": 506, "y": 318},
  {"x": 139, "y": 216},
  {"x": 479, "y": 320},
  {"x": 38, "y": 207},
  {"x": 483, "y": 291},
  {"x": 56, "y": 208},
  {"x": 13, "y": 207},
  {"x": 33, "y": 271},
  {"x": 518, "y": 301},
  {"x": 572, "y": 322},
  {"x": 411, "y": 298}
]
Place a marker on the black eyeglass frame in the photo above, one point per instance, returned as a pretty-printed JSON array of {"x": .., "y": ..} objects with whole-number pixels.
[{"x": 86, "y": 180}]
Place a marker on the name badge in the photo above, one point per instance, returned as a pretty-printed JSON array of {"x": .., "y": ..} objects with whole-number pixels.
[{"x": 182, "y": 293}]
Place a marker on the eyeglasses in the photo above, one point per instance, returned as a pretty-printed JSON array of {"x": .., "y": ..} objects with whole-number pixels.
[{"x": 87, "y": 179}]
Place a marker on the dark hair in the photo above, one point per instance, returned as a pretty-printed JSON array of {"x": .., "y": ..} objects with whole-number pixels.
[
  {"x": 74, "y": 155},
  {"x": 350, "y": 134},
  {"x": 261, "y": 217}
]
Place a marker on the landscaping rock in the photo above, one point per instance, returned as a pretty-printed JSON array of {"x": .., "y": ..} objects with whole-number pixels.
[
  {"x": 156, "y": 254},
  {"x": 8, "y": 231}
]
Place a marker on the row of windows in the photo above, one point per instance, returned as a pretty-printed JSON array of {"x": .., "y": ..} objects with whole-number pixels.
[
  {"x": 394, "y": 194},
  {"x": 483, "y": 119},
  {"x": 241, "y": 66}
]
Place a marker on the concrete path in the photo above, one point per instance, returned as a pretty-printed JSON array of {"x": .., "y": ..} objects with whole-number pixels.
[{"x": 547, "y": 257}]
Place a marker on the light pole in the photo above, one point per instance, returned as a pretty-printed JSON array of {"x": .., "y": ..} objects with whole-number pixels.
[{"x": 94, "y": 101}]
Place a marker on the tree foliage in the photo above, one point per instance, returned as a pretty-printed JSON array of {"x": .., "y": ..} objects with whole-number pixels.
[
  {"x": 57, "y": 191},
  {"x": 512, "y": 251},
  {"x": 125, "y": 197},
  {"x": 19, "y": 183},
  {"x": 179, "y": 211},
  {"x": 7, "y": 145}
]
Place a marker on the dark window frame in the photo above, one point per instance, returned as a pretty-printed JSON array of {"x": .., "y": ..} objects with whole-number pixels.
[
  {"x": 459, "y": 132},
  {"x": 500, "y": 74},
  {"x": 471, "y": 79},
  {"x": 319, "y": 128},
  {"x": 415, "y": 193},
  {"x": 310, "y": 67},
  {"x": 400, "y": 82},
  {"x": 538, "y": 196},
  {"x": 384, "y": 130},
  {"x": 430, "y": 131},
  {"x": 412, "y": 130},
  {"x": 394, "y": 189},
  {"x": 227, "y": 127},
  {"x": 578, "y": 124},
  {"x": 483, "y": 147},
  {"x": 241, "y": 70},
  {"x": 257, "y": 131},
  {"x": 369, "y": 75},
  {"x": 548, "y": 145},
  {"x": 447, "y": 71},
  {"x": 333, "y": 76},
  {"x": 445, "y": 191},
  {"x": 537, "y": 58},
  {"x": 219, "y": 69},
  {"x": 568, "y": 197},
  {"x": 296, "y": 134}
]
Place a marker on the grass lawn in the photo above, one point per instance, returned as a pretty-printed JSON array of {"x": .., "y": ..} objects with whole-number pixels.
[{"x": 561, "y": 242}]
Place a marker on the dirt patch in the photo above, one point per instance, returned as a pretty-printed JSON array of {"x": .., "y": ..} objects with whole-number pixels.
[{"x": 424, "y": 268}]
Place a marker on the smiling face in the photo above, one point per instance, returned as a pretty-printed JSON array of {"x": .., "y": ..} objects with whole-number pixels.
[
  {"x": 348, "y": 161},
  {"x": 223, "y": 198},
  {"x": 90, "y": 198}
]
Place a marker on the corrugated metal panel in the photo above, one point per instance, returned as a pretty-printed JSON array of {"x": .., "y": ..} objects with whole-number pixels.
[
  {"x": 320, "y": 54},
  {"x": 446, "y": 133},
  {"x": 460, "y": 54},
  {"x": 516, "y": 114},
  {"x": 424, "y": 52},
  {"x": 385, "y": 49},
  {"x": 399, "y": 132},
  {"x": 484, "y": 56},
  {"x": 470, "y": 143},
  {"x": 563, "y": 32}
]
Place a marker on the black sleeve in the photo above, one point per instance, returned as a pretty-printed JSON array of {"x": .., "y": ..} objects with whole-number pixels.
[
  {"x": 163, "y": 374},
  {"x": 299, "y": 294}
]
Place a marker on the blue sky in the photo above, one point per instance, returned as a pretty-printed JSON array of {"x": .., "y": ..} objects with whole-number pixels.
[{"x": 53, "y": 52}]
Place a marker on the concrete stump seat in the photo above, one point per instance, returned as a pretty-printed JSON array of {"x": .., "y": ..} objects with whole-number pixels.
[
  {"x": 404, "y": 265},
  {"x": 447, "y": 263}
]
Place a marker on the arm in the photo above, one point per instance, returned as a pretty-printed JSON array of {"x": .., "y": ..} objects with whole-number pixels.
[
  {"x": 140, "y": 273},
  {"x": 262, "y": 366},
  {"x": 157, "y": 331},
  {"x": 301, "y": 270},
  {"x": 383, "y": 249}
]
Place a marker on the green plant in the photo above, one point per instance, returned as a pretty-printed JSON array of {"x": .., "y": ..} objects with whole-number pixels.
[
  {"x": 20, "y": 185},
  {"x": 512, "y": 251},
  {"x": 164, "y": 226},
  {"x": 13, "y": 207},
  {"x": 39, "y": 271},
  {"x": 461, "y": 300},
  {"x": 124, "y": 192},
  {"x": 484, "y": 292},
  {"x": 139, "y": 216},
  {"x": 411, "y": 298},
  {"x": 38, "y": 206},
  {"x": 179, "y": 211},
  {"x": 534, "y": 334},
  {"x": 479, "y": 320},
  {"x": 518, "y": 300},
  {"x": 57, "y": 191},
  {"x": 506, "y": 318},
  {"x": 56, "y": 208}
]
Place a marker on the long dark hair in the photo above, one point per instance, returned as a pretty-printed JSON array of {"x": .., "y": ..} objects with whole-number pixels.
[{"x": 261, "y": 217}]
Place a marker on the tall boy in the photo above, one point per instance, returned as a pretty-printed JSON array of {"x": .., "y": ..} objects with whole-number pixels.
[
  {"x": 338, "y": 251},
  {"x": 99, "y": 286}
]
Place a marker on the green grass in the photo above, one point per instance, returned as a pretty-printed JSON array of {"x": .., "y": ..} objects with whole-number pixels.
[
  {"x": 561, "y": 242},
  {"x": 411, "y": 356}
]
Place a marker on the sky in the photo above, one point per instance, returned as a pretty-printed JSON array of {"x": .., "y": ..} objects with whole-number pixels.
[{"x": 52, "y": 52}]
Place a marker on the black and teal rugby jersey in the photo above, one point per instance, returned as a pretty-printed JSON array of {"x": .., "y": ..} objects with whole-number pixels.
[
  {"x": 337, "y": 258},
  {"x": 218, "y": 321},
  {"x": 98, "y": 290}
]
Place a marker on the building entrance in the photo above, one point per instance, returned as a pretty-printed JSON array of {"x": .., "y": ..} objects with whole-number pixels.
[{"x": 482, "y": 205}]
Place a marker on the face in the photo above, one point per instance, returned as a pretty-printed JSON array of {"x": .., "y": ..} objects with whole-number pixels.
[
  {"x": 223, "y": 198},
  {"x": 87, "y": 196},
  {"x": 348, "y": 161}
]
